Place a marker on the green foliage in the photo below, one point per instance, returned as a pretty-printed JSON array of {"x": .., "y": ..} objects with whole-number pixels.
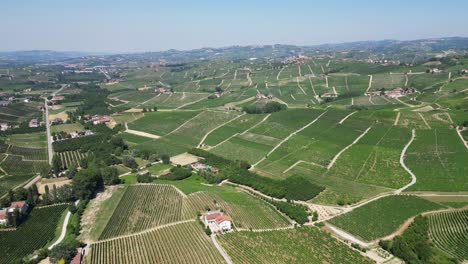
[
  {"x": 296, "y": 212},
  {"x": 269, "y": 107},
  {"x": 383, "y": 216},
  {"x": 177, "y": 173},
  {"x": 237, "y": 172},
  {"x": 414, "y": 245},
  {"x": 63, "y": 251}
]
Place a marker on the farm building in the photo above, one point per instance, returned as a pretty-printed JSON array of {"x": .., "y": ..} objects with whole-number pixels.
[
  {"x": 4, "y": 126},
  {"x": 144, "y": 88},
  {"x": 260, "y": 96},
  {"x": 98, "y": 119},
  {"x": 218, "y": 221},
  {"x": 5, "y": 103},
  {"x": 21, "y": 205},
  {"x": 163, "y": 91},
  {"x": 3, "y": 217},
  {"x": 329, "y": 95},
  {"x": 57, "y": 98},
  {"x": 201, "y": 167},
  {"x": 34, "y": 123}
]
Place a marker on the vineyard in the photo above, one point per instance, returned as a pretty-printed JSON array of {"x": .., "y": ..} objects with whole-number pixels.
[
  {"x": 29, "y": 153},
  {"x": 382, "y": 217},
  {"x": 449, "y": 232},
  {"x": 15, "y": 165},
  {"x": 180, "y": 243},
  {"x": 245, "y": 210},
  {"x": 299, "y": 245},
  {"x": 71, "y": 157},
  {"x": 37, "y": 231},
  {"x": 143, "y": 207}
]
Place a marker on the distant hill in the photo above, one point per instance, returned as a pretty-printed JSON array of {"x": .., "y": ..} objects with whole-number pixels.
[{"x": 42, "y": 55}]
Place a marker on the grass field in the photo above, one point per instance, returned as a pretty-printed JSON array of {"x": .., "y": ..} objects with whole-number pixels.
[
  {"x": 299, "y": 245},
  {"x": 33, "y": 234},
  {"x": 67, "y": 128},
  {"x": 382, "y": 217}
]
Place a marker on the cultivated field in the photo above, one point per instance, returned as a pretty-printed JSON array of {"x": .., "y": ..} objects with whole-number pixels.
[
  {"x": 449, "y": 232},
  {"x": 31, "y": 235},
  {"x": 299, "y": 245},
  {"x": 382, "y": 217}
]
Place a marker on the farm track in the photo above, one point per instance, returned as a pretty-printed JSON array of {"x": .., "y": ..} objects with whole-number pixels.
[
  {"x": 346, "y": 117},
  {"x": 144, "y": 231},
  {"x": 347, "y": 147},
  {"x": 140, "y": 133},
  {"x": 397, "y": 119},
  {"x": 402, "y": 162},
  {"x": 370, "y": 83},
  {"x": 223, "y": 124},
  {"x": 288, "y": 137},
  {"x": 220, "y": 249}
]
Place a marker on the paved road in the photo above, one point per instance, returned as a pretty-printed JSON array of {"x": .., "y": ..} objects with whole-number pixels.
[{"x": 220, "y": 249}]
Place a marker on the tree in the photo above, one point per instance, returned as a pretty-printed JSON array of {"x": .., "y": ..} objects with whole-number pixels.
[
  {"x": 44, "y": 172},
  {"x": 110, "y": 176},
  {"x": 86, "y": 183},
  {"x": 46, "y": 196},
  {"x": 72, "y": 170},
  {"x": 56, "y": 164},
  {"x": 129, "y": 161},
  {"x": 65, "y": 250},
  {"x": 165, "y": 159}
]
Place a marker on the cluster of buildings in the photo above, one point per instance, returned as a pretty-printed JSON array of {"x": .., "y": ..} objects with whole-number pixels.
[
  {"x": 34, "y": 123},
  {"x": 298, "y": 60},
  {"x": 395, "y": 93},
  {"x": 218, "y": 221},
  {"x": 162, "y": 90},
  {"x": 22, "y": 206},
  {"x": 220, "y": 93},
  {"x": 204, "y": 167},
  {"x": 383, "y": 61},
  {"x": 261, "y": 96},
  {"x": 98, "y": 119}
]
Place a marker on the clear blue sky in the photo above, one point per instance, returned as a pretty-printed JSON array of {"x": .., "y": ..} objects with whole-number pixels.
[{"x": 153, "y": 25}]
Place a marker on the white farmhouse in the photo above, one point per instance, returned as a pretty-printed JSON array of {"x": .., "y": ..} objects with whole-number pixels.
[{"x": 219, "y": 220}]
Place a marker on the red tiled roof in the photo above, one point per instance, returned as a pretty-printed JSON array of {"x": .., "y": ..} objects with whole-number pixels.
[
  {"x": 17, "y": 204},
  {"x": 222, "y": 218},
  {"x": 212, "y": 216},
  {"x": 3, "y": 216},
  {"x": 77, "y": 258}
]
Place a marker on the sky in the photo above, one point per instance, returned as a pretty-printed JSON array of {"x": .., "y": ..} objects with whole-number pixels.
[{"x": 152, "y": 25}]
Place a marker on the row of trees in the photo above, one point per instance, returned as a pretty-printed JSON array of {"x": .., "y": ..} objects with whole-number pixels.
[
  {"x": 269, "y": 107},
  {"x": 292, "y": 188}
]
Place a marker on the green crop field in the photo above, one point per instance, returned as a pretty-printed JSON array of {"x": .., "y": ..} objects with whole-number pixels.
[
  {"x": 161, "y": 123},
  {"x": 186, "y": 243},
  {"x": 437, "y": 157},
  {"x": 31, "y": 235},
  {"x": 30, "y": 140},
  {"x": 449, "y": 232},
  {"x": 299, "y": 245},
  {"x": 382, "y": 217},
  {"x": 143, "y": 207}
]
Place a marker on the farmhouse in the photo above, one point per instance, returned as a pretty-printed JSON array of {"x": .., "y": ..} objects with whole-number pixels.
[
  {"x": 3, "y": 217},
  {"x": 144, "y": 88},
  {"x": 98, "y": 119},
  {"x": 329, "y": 95},
  {"x": 260, "y": 96},
  {"x": 372, "y": 93},
  {"x": 34, "y": 123},
  {"x": 218, "y": 220},
  {"x": 22, "y": 206},
  {"x": 4, "y": 126},
  {"x": 201, "y": 167},
  {"x": 57, "y": 98},
  {"x": 163, "y": 91},
  {"x": 5, "y": 103}
]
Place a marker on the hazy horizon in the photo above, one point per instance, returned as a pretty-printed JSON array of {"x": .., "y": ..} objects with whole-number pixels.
[{"x": 145, "y": 26}]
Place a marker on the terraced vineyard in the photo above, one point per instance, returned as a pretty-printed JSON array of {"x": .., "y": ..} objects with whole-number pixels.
[
  {"x": 33, "y": 234},
  {"x": 181, "y": 243},
  {"x": 29, "y": 153},
  {"x": 382, "y": 217},
  {"x": 71, "y": 157},
  {"x": 449, "y": 232},
  {"x": 143, "y": 207},
  {"x": 299, "y": 245}
]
